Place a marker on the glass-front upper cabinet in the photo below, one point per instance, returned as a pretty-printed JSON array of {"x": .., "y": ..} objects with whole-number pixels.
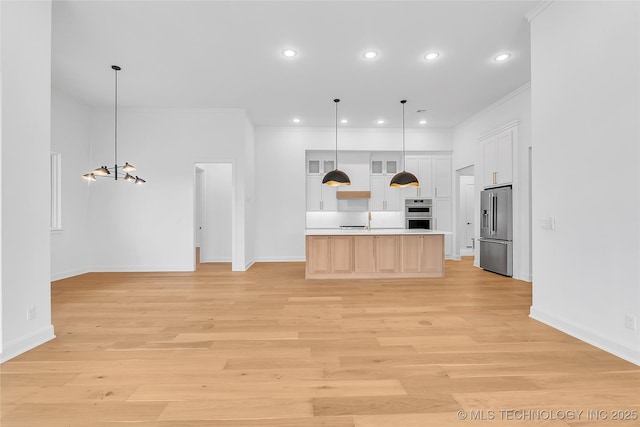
[
  {"x": 384, "y": 163},
  {"x": 320, "y": 166}
]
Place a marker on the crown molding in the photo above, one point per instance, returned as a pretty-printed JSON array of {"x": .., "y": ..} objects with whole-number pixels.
[
  {"x": 538, "y": 9},
  {"x": 496, "y": 104},
  {"x": 501, "y": 129}
]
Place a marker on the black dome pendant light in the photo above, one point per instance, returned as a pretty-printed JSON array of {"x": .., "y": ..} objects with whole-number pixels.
[
  {"x": 404, "y": 178},
  {"x": 336, "y": 177}
]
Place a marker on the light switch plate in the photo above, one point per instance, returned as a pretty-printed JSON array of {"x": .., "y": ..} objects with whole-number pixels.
[{"x": 548, "y": 223}]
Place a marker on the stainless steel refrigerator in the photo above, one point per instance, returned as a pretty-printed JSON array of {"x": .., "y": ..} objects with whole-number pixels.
[{"x": 496, "y": 231}]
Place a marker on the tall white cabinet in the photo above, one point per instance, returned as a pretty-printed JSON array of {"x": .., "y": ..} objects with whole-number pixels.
[
  {"x": 497, "y": 156},
  {"x": 383, "y": 167},
  {"x": 320, "y": 197},
  {"x": 436, "y": 182},
  {"x": 422, "y": 168}
]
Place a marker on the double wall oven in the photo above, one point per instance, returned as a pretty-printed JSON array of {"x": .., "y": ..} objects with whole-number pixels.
[{"x": 418, "y": 213}]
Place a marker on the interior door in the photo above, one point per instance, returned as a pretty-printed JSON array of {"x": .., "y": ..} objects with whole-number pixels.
[
  {"x": 199, "y": 207},
  {"x": 468, "y": 214}
]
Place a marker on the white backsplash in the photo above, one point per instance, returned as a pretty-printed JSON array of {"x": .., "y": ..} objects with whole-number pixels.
[{"x": 336, "y": 219}]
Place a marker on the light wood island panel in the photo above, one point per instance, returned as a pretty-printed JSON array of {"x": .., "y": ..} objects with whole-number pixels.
[{"x": 370, "y": 255}]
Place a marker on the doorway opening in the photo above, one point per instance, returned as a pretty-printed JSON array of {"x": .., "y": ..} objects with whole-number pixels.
[
  {"x": 466, "y": 210},
  {"x": 213, "y": 219}
]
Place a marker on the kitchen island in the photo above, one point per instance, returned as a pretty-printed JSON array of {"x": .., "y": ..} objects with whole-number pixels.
[{"x": 376, "y": 253}]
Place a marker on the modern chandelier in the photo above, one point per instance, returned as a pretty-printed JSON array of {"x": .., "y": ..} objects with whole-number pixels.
[
  {"x": 336, "y": 177},
  {"x": 404, "y": 178},
  {"x": 116, "y": 171}
]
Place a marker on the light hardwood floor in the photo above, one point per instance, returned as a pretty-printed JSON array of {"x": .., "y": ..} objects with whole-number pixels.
[{"x": 267, "y": 348}]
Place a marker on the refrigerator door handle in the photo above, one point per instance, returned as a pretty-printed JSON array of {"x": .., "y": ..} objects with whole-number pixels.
[{"x": 495, "y": 215}]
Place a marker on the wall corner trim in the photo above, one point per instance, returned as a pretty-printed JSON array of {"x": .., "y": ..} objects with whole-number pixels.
[{"x": 538, "y": 9}]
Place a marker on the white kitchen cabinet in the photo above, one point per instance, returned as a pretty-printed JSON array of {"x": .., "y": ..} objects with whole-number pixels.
[
  {"x": 497, "y": 153},
  {"x": 422, "y": 168},
  {"x": 442, "y": 176},
  {"x": 320, "y": 197},
  {"x": 383, "y": 196},
  {"x": 383, "y": 167},
  {"x": 434, "y": 176},
  {"x": 320, "y": 165},
  {"x": 442, "y": 215}
]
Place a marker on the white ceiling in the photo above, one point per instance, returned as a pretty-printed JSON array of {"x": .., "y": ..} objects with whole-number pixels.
[{"x": 227, "y": 54}]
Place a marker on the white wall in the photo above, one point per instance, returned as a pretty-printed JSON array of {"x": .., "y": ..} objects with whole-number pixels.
[
  {"x": 281, "y": 177},
  {"x": 150, "y": 227},
  {"x": 586, "y": 171},
  {"x": 251, "y": 212},
  {"x": 25, "y": 52},
  {"x": 217, "y": 219},
  {"x": 467, "y": 150},
  {"x": 70, "y": 136}
]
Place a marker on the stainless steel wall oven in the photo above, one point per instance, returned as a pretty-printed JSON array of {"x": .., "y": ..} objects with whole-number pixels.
[{"x": 418, "y": 213}]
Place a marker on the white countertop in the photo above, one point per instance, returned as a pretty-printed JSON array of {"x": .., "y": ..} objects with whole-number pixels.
[{"x": 374, "y": 231}]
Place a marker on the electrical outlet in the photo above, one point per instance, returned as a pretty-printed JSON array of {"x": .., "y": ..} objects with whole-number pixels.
[
  {"x": 630, "y": 322},
  {"x": 31, "y": 312}
]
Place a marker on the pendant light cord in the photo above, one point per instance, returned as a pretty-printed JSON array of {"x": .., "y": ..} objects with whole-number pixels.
[
  {"x": 336, "y": 101},
  {"x": 404, "y": 161},
  {"x": 115, "y": 132}
]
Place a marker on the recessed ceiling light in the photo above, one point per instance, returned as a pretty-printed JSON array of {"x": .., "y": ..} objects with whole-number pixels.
[
  {"x": 380, "y": 122},
  {"x": 423, "y": 122},
  {"x": 289, "y": 53},
  {"x": 344, "y": 121},
  {"x": 431, "y": 56},
  {"x": 296, "y": 120},
  {"x": 370, "y": 54},
  {"x": 502, "y": 57}
]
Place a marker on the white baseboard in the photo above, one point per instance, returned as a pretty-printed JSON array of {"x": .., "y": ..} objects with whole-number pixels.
[
  {"x": 248, "y": 265},
  {"x": 217, "y": 259},
  {"x": 525, "y": 277},
  {"x": 24, "y": 344},
  {"x": 70, "y": 273},
  {"x": 590, "y": 337},
  {"x": 282, "y": 259},
  {"x": 140, "y": 268}
]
